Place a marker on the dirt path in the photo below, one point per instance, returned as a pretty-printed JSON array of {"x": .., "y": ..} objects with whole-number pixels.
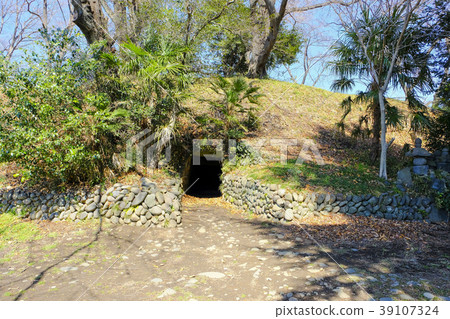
[{"x": 215, "y": 255}]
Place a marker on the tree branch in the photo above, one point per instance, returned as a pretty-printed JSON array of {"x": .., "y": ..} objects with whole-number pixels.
[
  {"x": 217, "y": 16},
  {"x": 107, "y": 9},
  {"x": 282, "y": 11},
  {"x": 32, "y": 12},
  {"x": 271, "y": 6},
  {"x": 321, "y": 5}
]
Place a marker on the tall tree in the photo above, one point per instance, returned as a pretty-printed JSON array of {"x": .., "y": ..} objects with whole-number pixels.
[
  {"x": 88, "y": 16},
  {"x": 411, "y": 73},
  {"x": 267, "y": 17},
  {"x": 437, "y": 38},
  {"x": 231, "y": 48}
]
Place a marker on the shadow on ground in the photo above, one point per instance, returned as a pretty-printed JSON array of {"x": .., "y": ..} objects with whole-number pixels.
[
  {"x": 366, "y": 269},
  {"x": 221, "y": 254}
]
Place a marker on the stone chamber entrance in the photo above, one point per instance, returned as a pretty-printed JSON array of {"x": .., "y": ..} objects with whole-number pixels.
[{"x": 203, "y": 180}]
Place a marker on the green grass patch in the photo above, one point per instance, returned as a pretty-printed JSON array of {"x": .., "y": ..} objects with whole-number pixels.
[
  {"x": 3, "y": 180},
  {"x": 15, "y": 229},
  {"x": 6, "y": 259},
  {"x": 80, "y": 244},
  {"x": 348, "y": 179},
  {"x": 50, "y": 246}
]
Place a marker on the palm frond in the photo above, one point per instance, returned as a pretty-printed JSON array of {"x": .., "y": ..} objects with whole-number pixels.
[
  {"x": 394, "y": 117},
  {"x": 343, "y": 84},
  {"x": 420, "y": 121}
]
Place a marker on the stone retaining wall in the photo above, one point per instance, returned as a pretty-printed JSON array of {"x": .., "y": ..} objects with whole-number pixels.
[
  {"x": 276, "y": 203},
  {"x": 145, "y": 205}
]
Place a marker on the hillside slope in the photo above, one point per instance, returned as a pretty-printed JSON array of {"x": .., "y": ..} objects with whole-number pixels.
[{"x": 294, "y": 111}]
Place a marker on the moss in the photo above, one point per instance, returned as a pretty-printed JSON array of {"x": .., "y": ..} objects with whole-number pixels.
[{"x": 129, "y": 211}]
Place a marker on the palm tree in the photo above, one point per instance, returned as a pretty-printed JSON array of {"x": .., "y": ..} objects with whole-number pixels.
[
  {"x": 235, "y": 103},
  {"x": 160, "y": 79},
  {"x": 370, "y": 98},
  {"x": 410, "y": 72}
]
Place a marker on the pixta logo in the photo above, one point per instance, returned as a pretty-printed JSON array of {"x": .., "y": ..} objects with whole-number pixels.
[
  {"x": 309, "y": 151},
  {"x": 145, "y": 149}
]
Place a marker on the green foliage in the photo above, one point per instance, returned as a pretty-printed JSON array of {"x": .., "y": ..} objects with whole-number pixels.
[
  {"x": 352, "y": 179},
  {"x": 288, "y": 45},
  {"x": 155, "y": 76},
  {"x": 157, "y": 80},
  {"x": 252, "y": 122},
  {"x": 394, "y": 117},
  {"x": 421, "y": 184},
  {"x": 233, "y": 109},
  {"x": 442, "y": 200},
  {"x": 438, "y": 132},
  {"x": 68, "y": 110},
  {"x": 356, "y": 62},
  {"x": 55, "y": 122},
  {"x": 434, "y": 35},
  {"x": 422, "y": 187},
  {"x": 233, "y": 48}
]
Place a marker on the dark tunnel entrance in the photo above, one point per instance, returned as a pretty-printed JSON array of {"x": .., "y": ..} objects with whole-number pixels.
[{"x": 204, "y": 179}]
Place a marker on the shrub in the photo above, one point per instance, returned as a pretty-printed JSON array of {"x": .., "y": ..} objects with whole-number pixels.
[
  {"x": 422, "y": 187},
  {"x": 438, "y": 133},
  {"x": 54, "y": 122},
  {"x": 233, "y": 109}
]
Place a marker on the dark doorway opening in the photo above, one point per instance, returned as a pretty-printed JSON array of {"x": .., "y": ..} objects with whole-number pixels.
[{"x": 204, "y": 179}]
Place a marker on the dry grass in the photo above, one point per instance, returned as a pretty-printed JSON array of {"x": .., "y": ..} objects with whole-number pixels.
[
  {"x": 301, "y": 112},
  {"x": 292, "y": 111}
]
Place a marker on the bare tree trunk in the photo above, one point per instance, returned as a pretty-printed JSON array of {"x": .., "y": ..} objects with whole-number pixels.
[
  {"x": 383, "y": 156},
  {"x": 318, "y": 76},
  {"x": 293, "y": 78},
  {"x": 376, "y": 131},
  {"x": 45, "y": 15},
  {"x": 306, "y": 61},
  {"x": 266, "y": 25},
  {"x": 120, "y": 21},
  {"x": 382, "y": 90},
  {"x": 135, "y": 20},
  {"x": 88, "y": 16}
]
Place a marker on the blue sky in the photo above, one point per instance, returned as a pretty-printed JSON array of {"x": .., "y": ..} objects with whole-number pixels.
[{"x": 330, "y": 28}]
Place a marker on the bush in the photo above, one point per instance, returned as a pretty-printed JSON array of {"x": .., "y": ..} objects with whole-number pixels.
[
  {"x": 233, "y": 109},
  {"x": 422, "y": 187},
  {"x": 438, "y": 133},
  {"x": 54, "y": 122}
]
